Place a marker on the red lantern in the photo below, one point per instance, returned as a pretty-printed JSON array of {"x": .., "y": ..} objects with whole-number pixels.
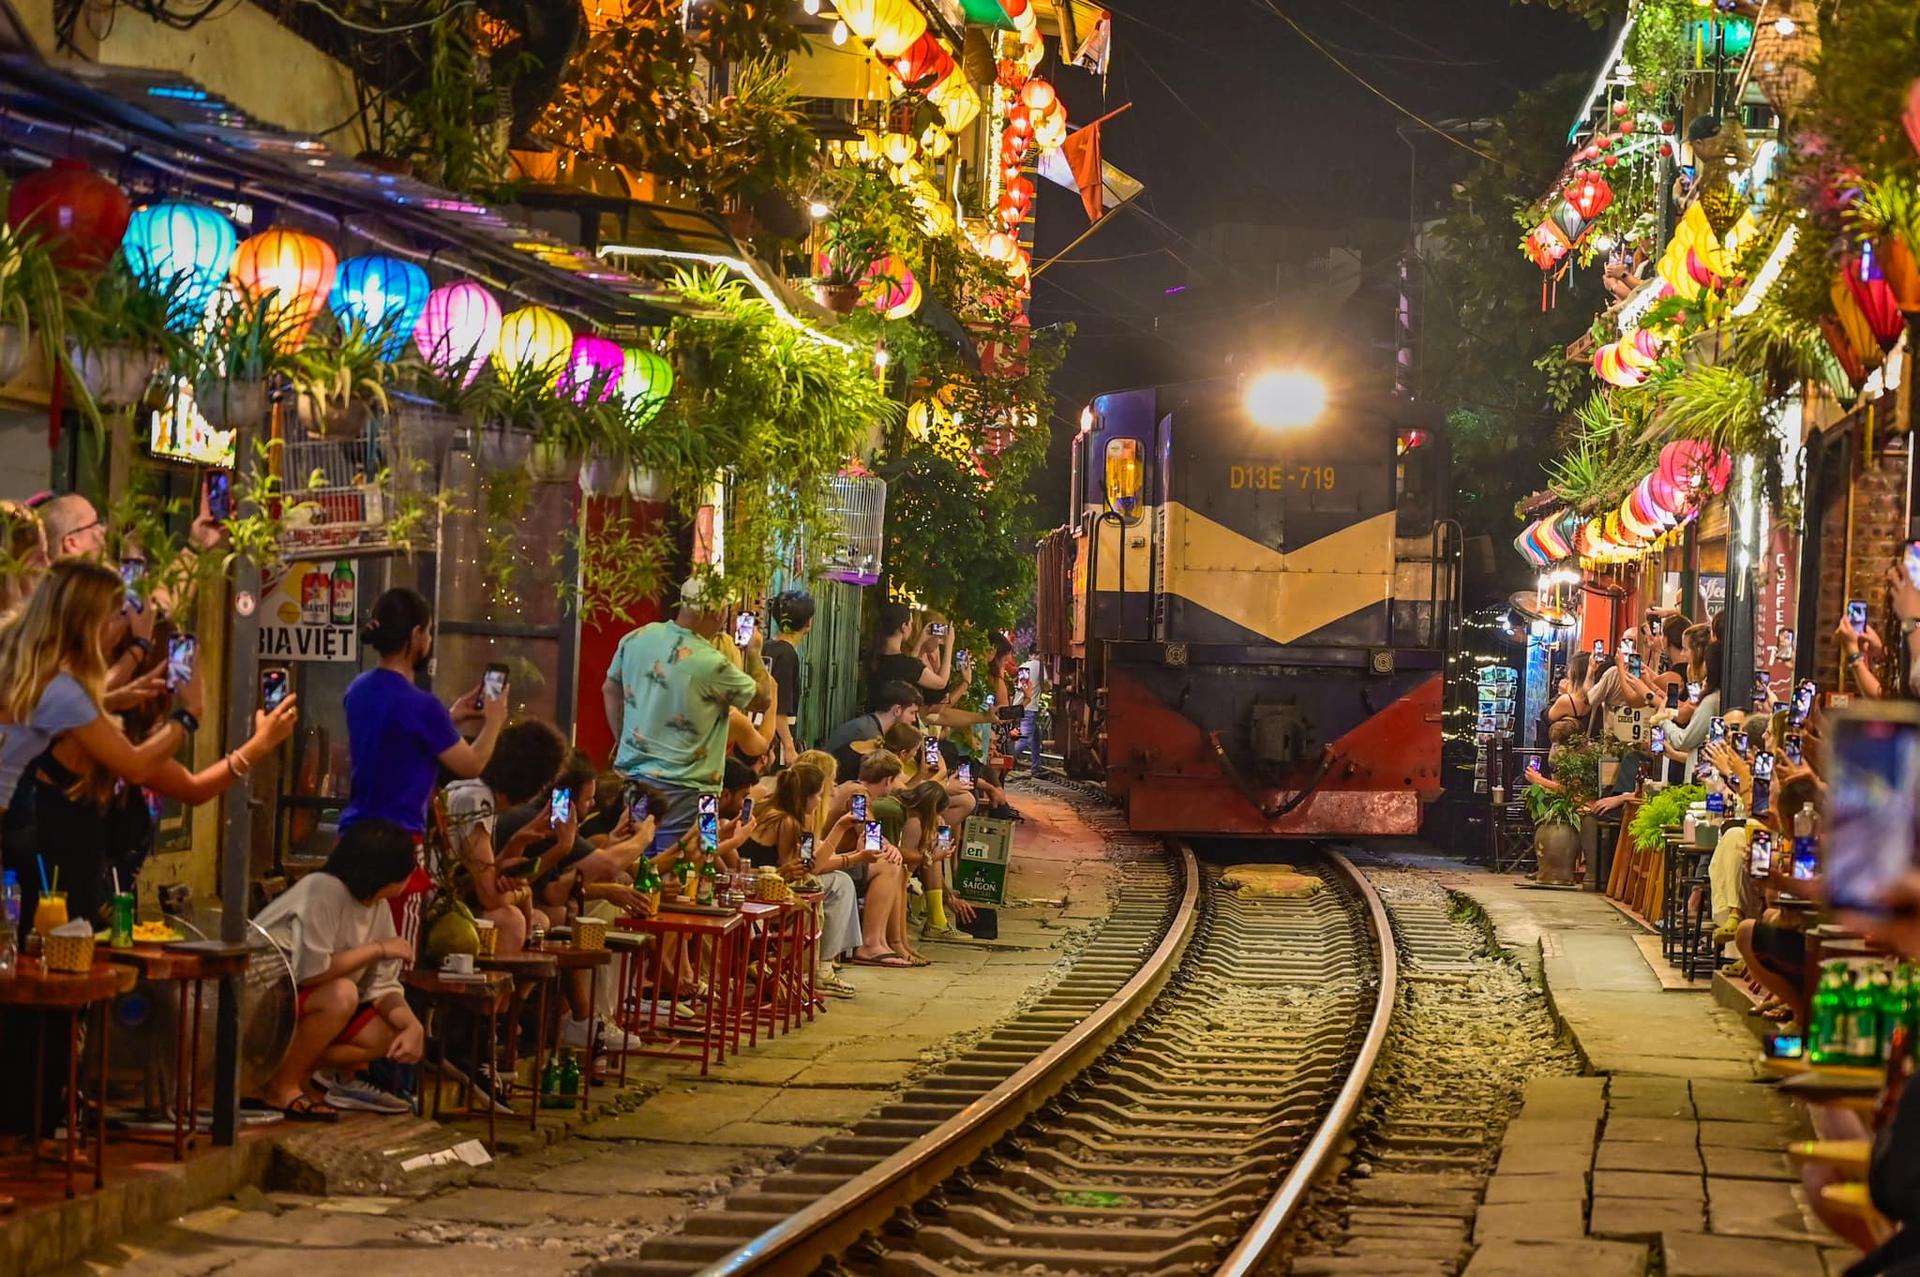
[
  {"x": 925, "y": 61},
  {"x": 1020, "y": 192},
  {"x": 1620, "y": 109},
  {"x": 1010, "y": 171},
  {"x": 1011, "y": 214},
  {"x": 1015, "y": 144},
  {"x": 1590, "y": 195},
  {"x": 1019, "y": 122},
  {"x": 1602, "y": 142},
  {"x": 1868, "y": 284},
  {"x": 80, "y": 214},
  {"x": 1626, "y": 128},
  {"x": 1609, "y": 160},
  {"x": 1666, "y": 150}
]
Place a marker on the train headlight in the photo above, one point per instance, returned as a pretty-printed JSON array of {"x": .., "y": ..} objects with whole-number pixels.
[{"x": 1285, "y": 399}]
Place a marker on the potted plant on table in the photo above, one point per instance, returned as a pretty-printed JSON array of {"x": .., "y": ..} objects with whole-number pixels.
[{"x": 246, "y": 351}]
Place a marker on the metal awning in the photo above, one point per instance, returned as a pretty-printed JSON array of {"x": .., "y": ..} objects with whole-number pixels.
[{"x": 159, "y": 133}]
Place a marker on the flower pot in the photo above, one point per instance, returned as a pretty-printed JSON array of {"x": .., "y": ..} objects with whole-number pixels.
[
  {"x": 331, "y": 418},
  {"x": 838, "y": 298},
  {"x": 1901, "y": 271},
  {"x": 13, "y": 351},
  {"x": 498, "y": 446},
  {"x": 602, "y": 476},
  {"x": 116, "y": 376},
  {"x": 228, "y": 405},
  {"x": 553, "y": 461},
  {"x": 648, "y": 485},
  {"x": 421, "y": 438},
  {"x": 1556, "y": 849}
]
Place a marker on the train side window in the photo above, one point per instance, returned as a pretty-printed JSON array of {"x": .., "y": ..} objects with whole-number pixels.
[{"x": 1419, "y": 493}]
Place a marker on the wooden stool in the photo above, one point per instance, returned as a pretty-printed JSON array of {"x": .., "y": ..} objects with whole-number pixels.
[
  {"x": 536, "y": 970},
  {"x": 487, "y": 996},
  {"x": 46, "y": 994}
]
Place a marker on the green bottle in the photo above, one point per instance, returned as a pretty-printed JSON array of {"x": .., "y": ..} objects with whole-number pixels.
[
  {"x": 1825, "y": 1043},
  {"x": 687, "y": 872},
  {"x": 550, "y": 1084},
  {"x": 1893, "y": 1009},
  {"x": 569, "y": 1080},
  {"x": 1908, "y": 987},
  {"x": 646, "y": 881},
  {"x": 709, "y": 879},
  {"x": 1863, "y": 1022}
]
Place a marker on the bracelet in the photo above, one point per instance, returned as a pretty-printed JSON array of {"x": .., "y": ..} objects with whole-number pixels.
[
  {"x": 237, "y": 764},
  {"x": 187, "y": 721},
  {"x": 1856, "y": 656},
  {"x": 144, "y": 646}
]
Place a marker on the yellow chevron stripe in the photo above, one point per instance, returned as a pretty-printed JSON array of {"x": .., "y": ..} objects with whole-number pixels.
[{"x": 1280, "y": 596}]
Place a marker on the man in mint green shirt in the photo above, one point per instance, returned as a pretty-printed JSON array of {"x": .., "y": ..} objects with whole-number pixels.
[{"x": 668, "y": 695}]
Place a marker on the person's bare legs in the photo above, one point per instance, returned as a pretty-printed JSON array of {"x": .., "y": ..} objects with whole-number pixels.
[
  {"x": 1772, "y": 981},
  {"x": 510, "y": 926},
  {"x": 327, "y": 1010},
  {"x": 362, "y": 1049},
  {"x": 884, "y": 883}
]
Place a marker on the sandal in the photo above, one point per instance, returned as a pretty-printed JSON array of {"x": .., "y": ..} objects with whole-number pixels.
[
  {"x": 888, "y": 960},
  {"x": 304, "y": 1108}
]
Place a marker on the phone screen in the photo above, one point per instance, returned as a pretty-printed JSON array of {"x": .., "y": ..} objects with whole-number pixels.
[
  {"x": 1658, "y": 742},
  {"x": 873, "y": 835},
  {"x": 1762, "y": 796},
  {"x": 746, "y": 810},
  {"x": 1786, "y": 1046},
  {"x": 1599, "y": 647},
  {"x": 965, "y": 773},
  {"x": 1673, "y": 696},
  {"x": 1795, "y": 748},
  {"x": 743, "y": 629},
  {"x": 859, "y": 806},
  {"x": 1716, "y": 728},
  {"x": 1763, "y": 765},
  {"x": 219, "y": 495},
  {"x": 1912, "y": 560},
  {"x": 1633, "y": 665},
  {"x": 636, "y": 804},
  {"x": 938, "y": 629},
  {"x": 560, "y": 806},
  {"x": 806, "y": 851},
  {"x": 933, "y": 753},
  {"x": 709, "y": 823},
  {"x": 1873, "y": 772},
  {"x": 1760, "y": 854},
  {"x": 131, "y": 570},
  {"x": 273, "y": 689},
  {"x": 1693, "y": 692},
  {"x": 1857, "y": 615},
  {"x": 494, "y": 682},
  {"x": 181, "y": 649},
  {"x": 1802, "y": 703},
  {"x": 945, "y": 837}
]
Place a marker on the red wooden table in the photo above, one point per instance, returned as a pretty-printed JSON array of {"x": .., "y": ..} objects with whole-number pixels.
[
  {"x": 190, "y": 969},
  {"x": 721, "y": 938},
  {"x": 36, "y": 990},
  {"x": 489, "y": 995},
  {"x": 781, "y": 940}
]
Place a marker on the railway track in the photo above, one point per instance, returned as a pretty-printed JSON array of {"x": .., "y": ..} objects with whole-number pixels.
[{"x": 1163, "y": 1108}]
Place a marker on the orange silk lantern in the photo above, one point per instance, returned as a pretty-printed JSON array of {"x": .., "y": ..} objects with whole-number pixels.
[
  {"x": 292, "y": 268},
  {"x": 1038, "y": 96}
]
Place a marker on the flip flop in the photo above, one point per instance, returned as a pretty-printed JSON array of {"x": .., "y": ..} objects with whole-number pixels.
[
  {"x": 915, "y": 960},
  {"x": 891, "y": 960},
  {"x": 304, "y": 1108}
]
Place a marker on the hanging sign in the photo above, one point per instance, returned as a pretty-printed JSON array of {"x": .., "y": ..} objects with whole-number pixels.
[
  {"x": 309, "y": 613},
  {"x": 1777, "y": 607}
]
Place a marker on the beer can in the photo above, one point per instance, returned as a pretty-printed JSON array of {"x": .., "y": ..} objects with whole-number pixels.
[{"x": 120, "y": 928}]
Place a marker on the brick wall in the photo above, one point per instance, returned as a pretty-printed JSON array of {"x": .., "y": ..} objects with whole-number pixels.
[{"x": 1879, "y": 531}]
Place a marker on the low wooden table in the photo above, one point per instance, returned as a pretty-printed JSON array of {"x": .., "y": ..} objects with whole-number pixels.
[
  {"x": 627, "y": 944},
  {"x": 569, "y": 960},
  {"x": 34, "y": 989},
  {"x": 492, "y": 993},
  {"x": 167, "y": 963},
  {"x": 722, "y": 937},
  {"x": 536, "y": 968}
]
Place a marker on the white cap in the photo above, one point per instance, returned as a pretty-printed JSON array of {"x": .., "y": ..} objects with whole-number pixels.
[{"x": 693, "y": 592}]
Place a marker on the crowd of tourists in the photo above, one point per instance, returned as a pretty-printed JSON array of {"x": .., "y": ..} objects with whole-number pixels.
[{"x": 458, "y": 807}]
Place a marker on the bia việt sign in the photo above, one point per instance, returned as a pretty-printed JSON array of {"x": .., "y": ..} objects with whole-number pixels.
[{"x": 310, "y": 612}]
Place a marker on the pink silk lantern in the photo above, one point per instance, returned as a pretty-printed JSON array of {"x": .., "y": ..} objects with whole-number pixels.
[
  {"x": 1548, "y": 534},
  {"x": 593, "y": 369},
  {"x": 458, "y": 330}
]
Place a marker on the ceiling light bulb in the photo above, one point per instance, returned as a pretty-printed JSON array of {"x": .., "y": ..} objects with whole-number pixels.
[
  {"x": 811, "y": 6},
  {"x": 840, "y": 32},
  {"x": 817, "y": 210},
  {"x": 1784, "y": 27}
]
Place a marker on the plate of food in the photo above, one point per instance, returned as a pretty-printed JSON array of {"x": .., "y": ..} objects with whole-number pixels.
[{"x": 156, "y": 933}]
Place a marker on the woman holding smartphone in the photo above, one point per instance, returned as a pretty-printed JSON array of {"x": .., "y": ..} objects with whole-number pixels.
[{"x": 930, "y": 669}]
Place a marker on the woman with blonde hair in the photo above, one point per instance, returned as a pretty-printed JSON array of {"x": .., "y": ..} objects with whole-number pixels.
[
  {"x": 26, "y": 554},
  {"x": 785, "y": 832},
  {"x": 60, "y": 751}
]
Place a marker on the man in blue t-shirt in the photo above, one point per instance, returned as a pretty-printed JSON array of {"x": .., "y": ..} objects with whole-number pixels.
[{"x": 669, "y": 693}]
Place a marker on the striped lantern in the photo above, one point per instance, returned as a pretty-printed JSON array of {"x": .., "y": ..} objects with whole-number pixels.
[
  {"x": 646, "y": 380},
  {"x": 534, "y": 342},
  {"x": 459, "y": 330},
  {"x": 382, "y": 295},
  {"x": 295, "y": 271},
  {"x": 185, "y": 249}
]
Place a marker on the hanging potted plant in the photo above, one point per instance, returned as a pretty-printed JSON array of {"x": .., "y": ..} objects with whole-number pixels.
[
  {"x": 239, "y": 360},
  {"x": 852, "y": 247},
  {"x": 605, "y": 471},
  {"x": 119, "y": 337},
  {"x": 339, "y": 386},
  {"x": 32, "y": 303},
  {"x": 564, "y": 433}
]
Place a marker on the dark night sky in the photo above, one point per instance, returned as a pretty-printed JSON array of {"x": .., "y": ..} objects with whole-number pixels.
[{"x": 1234, "y": 114}]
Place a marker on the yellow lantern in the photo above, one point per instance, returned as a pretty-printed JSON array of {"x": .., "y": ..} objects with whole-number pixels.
[
  {"x": 931, "y": 416},
  {"x": 534, "y": 342},
  {"x": 935, "y": 142},
  {"x": 890, "y": 26},
  {"x": 899, "y": 147},
  {"x": 956, "y": 100},
  {"x": 295, "y": 270}
]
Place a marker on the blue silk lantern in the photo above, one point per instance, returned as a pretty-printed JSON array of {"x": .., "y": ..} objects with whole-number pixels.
[
  {"x": 384, "y": 295},
  {"x": 184, "y": 249}
]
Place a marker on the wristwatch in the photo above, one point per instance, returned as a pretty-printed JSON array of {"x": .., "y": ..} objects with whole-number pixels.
[
  {"x": 1856, "y": 656},
  {"x": 187, "y": 721}
]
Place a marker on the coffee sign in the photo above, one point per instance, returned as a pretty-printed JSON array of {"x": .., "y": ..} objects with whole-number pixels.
[{"x": 310, "y": 613}]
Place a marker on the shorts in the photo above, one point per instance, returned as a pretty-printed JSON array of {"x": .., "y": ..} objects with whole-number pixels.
[
  {"x": 363, "y": 1015},
  {"x": 1780, "y": 950},
  {"x": 856, "y": 872}
]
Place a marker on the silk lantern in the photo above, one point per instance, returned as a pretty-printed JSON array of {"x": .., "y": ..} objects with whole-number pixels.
[
  {"x": 1590, "y": 195},
  {"x": 898, "y": 147},
  {"x": 645, "y": 382},
  {"x": 383, "y": 295},
  {"x": 890, "y": 26},
  {"x": 80, "y": 215},
  {"x": 292, "y": 269},
  {"x": 534, "y": 342},
  {"x": 1038, "y": 96},
  {"x": 459, "y": 330},
  {"x": 594, "y": 368},
  {"x": 1050, "y": 130},
  {"x": 184, "y": 249},
  {"x": 1868, "y": 284},
  {"x": 924, "y": 62}
]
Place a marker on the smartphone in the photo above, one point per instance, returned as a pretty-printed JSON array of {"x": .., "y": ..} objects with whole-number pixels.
[
  {"x": 860, "y": 807},
  {"x": 806, "y": 852},
  {"x": 181, "y": 650},
  {"x": 273, "y": 688},
  {"x": 938, "y": 629},
  {"x": 1657, "y": 742},
  {"x": 1762, "y": 797},
  {"x": 494, "y": 682},
  {"x": 1912, "y": 559},
  {"x": 1693, "y": 693},
  {"x": 219, "y": 495},
  {"x": 1626, "y": 645},
  {"x": 131, "y": 570},
  {"x": 1763, "y": 765},
  {"x": 1802, "y": 703},
  {"x": 1742, "y": 744},
  {"x": 1760, "y": 854},
  {"x": 1599, "y": 647},
  {"x": 1633, "y": 664},
  {"x": 965, "y": 774},
  {"x": 1794, "y": 746},
  {"x": 709, "y": 823},
  {"x": 1873, "y": 774},
  {"x": 1786, "y": 1046},
  {"x": 873, "y": 840},
  {"x": 743, "y": 629},
  {"x": 989, "y": 702},
  {"x": 560, "y": 806},
  {"x": 1716, "y": 729},
  {"x": 1857, "y": 615},
  {"x": 932, "y": 752},
  {"x": 1806, "y": 861},
  {"x": 1703, "y": 772},
  {"x": 746, "y": 810},
  {"x": 944, "y": 838},
  {"x": 636, "y": 800},
  {"x": 1673, "y": 696}
]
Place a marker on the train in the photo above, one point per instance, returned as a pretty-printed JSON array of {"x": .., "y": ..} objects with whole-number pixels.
[{"x": 1248, "y": 626}]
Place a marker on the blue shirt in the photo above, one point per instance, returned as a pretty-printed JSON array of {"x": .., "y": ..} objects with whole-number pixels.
[{"x": 395, "y": 736}]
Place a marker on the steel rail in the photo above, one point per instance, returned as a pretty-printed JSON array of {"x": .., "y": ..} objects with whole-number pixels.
[
  {"x": 865, "y": 1203},
  {"x": 1264, "y": 1232}
]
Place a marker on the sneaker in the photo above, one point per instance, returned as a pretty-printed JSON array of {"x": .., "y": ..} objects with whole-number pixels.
[
  {"x": 483, "y": 1088},
  {"x": 615, "y": 1040},
  {"x": 344, "y": 1092},
  {"x": 576, "y": 1035},
  {"x": 947, "y": 935}
]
